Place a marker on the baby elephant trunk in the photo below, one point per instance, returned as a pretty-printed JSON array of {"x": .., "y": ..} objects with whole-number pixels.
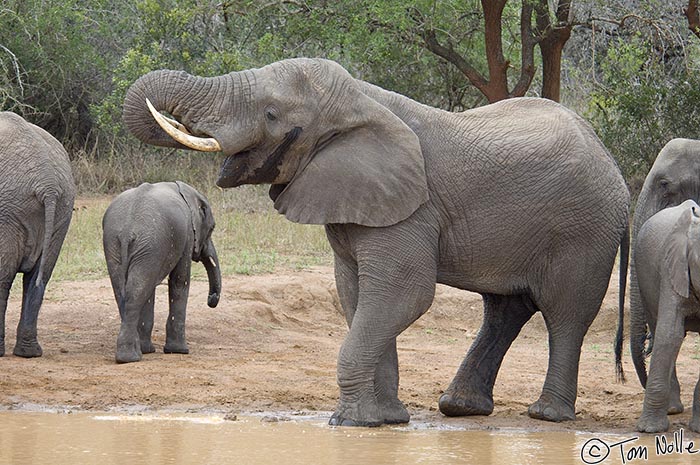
[{"x": 211, "y": 263}]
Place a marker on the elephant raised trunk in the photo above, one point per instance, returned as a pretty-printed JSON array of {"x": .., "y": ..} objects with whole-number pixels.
[
  {"x": 161, "y": 89},
  {"x": 187, "y": 98}
]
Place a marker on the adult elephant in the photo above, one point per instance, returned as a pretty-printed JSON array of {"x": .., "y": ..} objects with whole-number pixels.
[
  {"x": 673, "y": 178},
  {"x": 36, "y": 205},
  {"x": 518, "y": 201}
]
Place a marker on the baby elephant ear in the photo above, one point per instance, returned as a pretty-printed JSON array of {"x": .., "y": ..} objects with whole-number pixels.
[
  {"x": 371, "y": 173},
  {"x": 676, "y": 254},
  {"x": 199, "y": 215}
]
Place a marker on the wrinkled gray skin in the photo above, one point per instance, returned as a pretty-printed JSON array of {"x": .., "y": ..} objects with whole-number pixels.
[
  {"x": 36, "y": 204},
  {"x": 150, "y": 232},
  {"x": 518, "y": 201},
  {"x": 674, "y": 177},
  {"x": 668, "y": 274}
]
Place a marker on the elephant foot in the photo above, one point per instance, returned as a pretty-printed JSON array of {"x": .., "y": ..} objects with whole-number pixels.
[
  {"x": 675, "y": 407},
  {"x": 128, "y": 352},
  {"x": 358, "y": 413},
  {"x": 27, "y": 349},
  {"x": 694, "y": 425},
  {"x": 176, "y": 348},
  {"x": 394, "y": 413},
  {"x": 453, "y": 404},
  {"x": 128, "y": 357},
  {"x": 147, "y": 347},
  {"x": 548, "y": 409},
  {"x": 652, "y": 423}
]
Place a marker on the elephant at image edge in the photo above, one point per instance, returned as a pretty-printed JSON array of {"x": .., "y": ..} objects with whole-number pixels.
[
  {"x": 673, "y": 178},
  {"x": 518, "y": 201},
  {"x": 668, "y": 276},
  {"x": 150, "y": 232},
  {"x": 36, "y": 204}
]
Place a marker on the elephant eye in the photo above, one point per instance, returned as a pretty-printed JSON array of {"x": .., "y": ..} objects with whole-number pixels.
[{"x": 270, "y": 115}]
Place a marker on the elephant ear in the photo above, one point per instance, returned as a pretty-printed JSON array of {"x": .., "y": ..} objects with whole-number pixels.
[
  {"x": 201, "y": 217},
  {"x": 676, "y": 254},
  {"x": 371, "y": 173}
]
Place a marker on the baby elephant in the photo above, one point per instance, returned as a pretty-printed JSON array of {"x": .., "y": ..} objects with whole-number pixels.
[
  {"x": 668, "y": 273},
  {"x": 150, "y": 232}
]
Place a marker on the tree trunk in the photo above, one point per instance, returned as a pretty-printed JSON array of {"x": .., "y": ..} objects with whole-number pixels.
[{"x": 693, "y": 16}]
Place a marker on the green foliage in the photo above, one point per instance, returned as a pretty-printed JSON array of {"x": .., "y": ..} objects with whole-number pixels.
[
  {"x": 66, "y": 64},
  {"x": 54, "y": 63},
  {"x": 642, "y": 105}
]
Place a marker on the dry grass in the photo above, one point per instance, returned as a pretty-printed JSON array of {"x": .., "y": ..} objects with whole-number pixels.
[{"x": 250, "y": 236}]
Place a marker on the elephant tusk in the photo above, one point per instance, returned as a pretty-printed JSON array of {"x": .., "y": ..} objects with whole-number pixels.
[
  {"x": 178, "y": 132},
  {"x": 213, "y": 263}
]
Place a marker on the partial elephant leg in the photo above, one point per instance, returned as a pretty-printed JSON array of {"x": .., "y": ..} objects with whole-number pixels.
[
  {"x": 395, "y": 288},
  {"x": 569, "y": 303},
  {"x": 4, "y": 296},
  {"x": 138, "y": 290},
  {"x": 695, "y": 420},
  {"x": 146, "y": 325},
  {"x": 33, "y": 288},
  {"x": 386, "y": 377},
  {"x": 668, "y": 338},
  {"x": 471, "y": 390},
  {"x": 178, "y": 291},
  {"x": 675, "y": 406}
]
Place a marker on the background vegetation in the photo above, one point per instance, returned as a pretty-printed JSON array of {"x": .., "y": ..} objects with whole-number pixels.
[{"x": 628, "y": 66}]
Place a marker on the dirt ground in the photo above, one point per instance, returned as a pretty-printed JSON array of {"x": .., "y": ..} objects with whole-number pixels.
[{"x": 271, "y": 346}]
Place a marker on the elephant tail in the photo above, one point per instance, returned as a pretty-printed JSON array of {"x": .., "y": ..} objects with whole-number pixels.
[
  {"x": 624, "y": 259},
  {"x": 49, "y": 228},
  {"x": 123, "y": 275}
]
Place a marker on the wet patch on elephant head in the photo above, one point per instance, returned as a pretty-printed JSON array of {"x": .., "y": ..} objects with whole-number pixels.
[{"x": 239, "y": 168}]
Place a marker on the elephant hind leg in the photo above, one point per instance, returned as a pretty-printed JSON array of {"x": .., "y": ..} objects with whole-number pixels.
[
  {"x": 569, "y": 304},
  {"x": 33, "y": 287},
  {"x": 139, "y": 288},
  {"x": 4, "y": 296},
  {"x": 471, "y": 390}
]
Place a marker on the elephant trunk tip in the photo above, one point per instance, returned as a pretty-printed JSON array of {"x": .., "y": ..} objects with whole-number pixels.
[{"x": 213, "y": 300}]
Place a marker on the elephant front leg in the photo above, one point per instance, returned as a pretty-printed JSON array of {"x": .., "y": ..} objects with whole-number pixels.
[
  {"x": 32, "y": 296},
  {"x": 694, "y": 424},
  {"x": 668, "y": 338},
  {"x": 675, "y": 406},
  {"x": 386, "y": 387},
  {"x": 178, "y": 291},
  {"x": 471, "y": 390},
  {"x": 368, "y": 363}
]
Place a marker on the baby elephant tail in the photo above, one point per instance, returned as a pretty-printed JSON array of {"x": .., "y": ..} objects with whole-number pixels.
[{"x": 122, "y": 275}]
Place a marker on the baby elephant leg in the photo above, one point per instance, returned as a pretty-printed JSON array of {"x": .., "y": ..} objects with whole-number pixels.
[
  {"x": 695, "y": 420},
  {"x": 146, "y": 325},
  {"x": 178, "y": 291}
]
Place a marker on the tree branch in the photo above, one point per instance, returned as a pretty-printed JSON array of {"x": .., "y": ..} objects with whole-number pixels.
[
  {"x": 448, "y": 53},
  {"x": 527, "y": 62}
]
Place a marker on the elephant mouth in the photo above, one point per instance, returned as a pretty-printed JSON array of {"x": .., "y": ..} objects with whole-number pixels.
[
  {"x": 232, "y": 170},
  {"x": 241, "y": 168}
]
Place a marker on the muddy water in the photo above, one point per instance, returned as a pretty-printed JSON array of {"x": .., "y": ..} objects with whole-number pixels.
[{"x": 105, "y": 439}]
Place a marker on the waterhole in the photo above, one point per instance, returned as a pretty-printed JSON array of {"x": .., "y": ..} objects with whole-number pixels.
[{"x": 155, "y": 438}]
